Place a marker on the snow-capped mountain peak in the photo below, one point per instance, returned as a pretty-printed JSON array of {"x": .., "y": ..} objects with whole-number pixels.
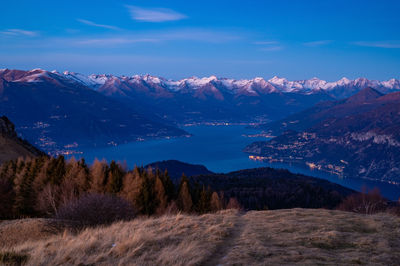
[
  {"x": 278, "y": 81},
  {"x": 110, "y": 84},
  {"x": 343, "y": 81}
]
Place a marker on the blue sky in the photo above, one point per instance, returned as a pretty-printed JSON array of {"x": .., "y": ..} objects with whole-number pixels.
[{"x": 176, "y": 39}]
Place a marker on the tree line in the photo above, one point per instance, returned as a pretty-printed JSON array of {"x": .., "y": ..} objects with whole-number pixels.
[{"x": 38, "y": 187}]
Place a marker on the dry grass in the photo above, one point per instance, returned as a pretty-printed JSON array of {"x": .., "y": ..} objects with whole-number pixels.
[
  {"x": 14, "y": 232},
  {"x": 168, "y": 240},
  {"x": 309, "y": 237},
  {"x": 296, "y": 236}
]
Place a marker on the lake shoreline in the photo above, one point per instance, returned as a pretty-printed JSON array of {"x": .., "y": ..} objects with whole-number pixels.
[{"x": 219, "y": 148}]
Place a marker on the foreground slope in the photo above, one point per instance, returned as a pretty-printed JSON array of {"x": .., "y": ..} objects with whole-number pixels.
[
  {"x": 11, "y": 146},
  {"x": 289, "y": 237}
]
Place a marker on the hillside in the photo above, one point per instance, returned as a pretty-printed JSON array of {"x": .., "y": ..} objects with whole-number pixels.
[
  {"x": 177, "y": 168},
  {"x": 288, "y": 237},
  {"x": 363, "y": 101},
  {"x": 355, "y": 137},
  {"x": 11, "y": 146},
  {"x": 55, "y": 113},
  {"x": 268, "y": 188}
]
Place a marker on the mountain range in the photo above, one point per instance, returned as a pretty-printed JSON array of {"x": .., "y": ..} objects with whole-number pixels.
[
  {"x": 354, "y": 137},
  {"x": 59, "y": 111},
  {"x": 114, "y": 85},
  {"x": 221, "y": 99}
]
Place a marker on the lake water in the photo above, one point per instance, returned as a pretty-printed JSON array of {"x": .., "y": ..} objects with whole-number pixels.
[{"x": 219, "y": 148}]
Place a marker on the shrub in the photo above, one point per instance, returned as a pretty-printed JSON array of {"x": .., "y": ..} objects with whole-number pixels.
[
  {"x": 96, "y": 209},
  {"x": 233, "y": 204},
  {"x": 12, "y": 258},
  {"x": 365, "y": 203}
]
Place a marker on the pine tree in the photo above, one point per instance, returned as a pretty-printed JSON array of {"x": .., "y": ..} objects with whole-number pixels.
[
  {"x": 204, "y": 201},
  {"x": 147, "y": 197},
  {"x": 56, "y": 170},
  {"x": 233, "y": 204},
  {"x": 215, "y": 203},
  {"x": 185, "y": 202},
  {"x": 132, "y": 186},
  {"x": 7, "y": 197},
  {"x": 115, "y": 178},
  {"x": 168, "y": 185},
  {"x": 98, "y": 176},
  {"x": 161, "y": 198},
  {"x": 77, "y": 175},
  {"x": 24, "y": 196}
]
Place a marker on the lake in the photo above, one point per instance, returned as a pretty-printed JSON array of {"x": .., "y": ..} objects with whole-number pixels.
[{"x": 219, "y": 148}]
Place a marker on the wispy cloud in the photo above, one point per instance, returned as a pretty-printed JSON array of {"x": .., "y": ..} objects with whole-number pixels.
[
  {"x": 382, "y": 44},
  {"x": 114, "y": 41},
  {"x": 130, "y": 38},
  {"x": 19, "y": 32},
  {"x": 271, "y": 48},
  {"x": 317, "y": 43},
  {"x": 154, "y": 14},
  {"x": 91, "y": 23},
  {"x": 189, "y": 34},
  {"x": 268, "y": 46}
]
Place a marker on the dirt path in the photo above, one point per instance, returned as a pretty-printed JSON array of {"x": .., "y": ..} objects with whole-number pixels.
[{"x": 223, "y": 248}]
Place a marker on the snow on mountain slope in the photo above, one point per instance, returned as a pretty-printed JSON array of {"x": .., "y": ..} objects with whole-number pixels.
[{"x": 110, "y": 84}]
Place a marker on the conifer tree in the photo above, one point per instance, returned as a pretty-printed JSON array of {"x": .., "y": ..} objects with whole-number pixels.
[
  {"x": 185, "y": 202},
  {"x": 161, "y": 197},
  {"x": 215, "y": 203},
  {"x": 77, "y": 175},
  {"x": 204, "y": 201},
  {"x": 56, "y": 170},
  {"x": 146, "y": 201},
  {"x": 7, "y": 196},
  {"x": 132, "y": 186},
  {"x": 98, "y": 176},
  {"x": 24, "y": 196},
  {"x": 168, "y": 185},
  {"x": 115, "y": 178}
]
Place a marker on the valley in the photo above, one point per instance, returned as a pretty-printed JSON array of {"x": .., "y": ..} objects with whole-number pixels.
[
  {"x": 210, "y": 121},
  {"x": 59, "y": 111},
  {"x": 200, "y": 133}
]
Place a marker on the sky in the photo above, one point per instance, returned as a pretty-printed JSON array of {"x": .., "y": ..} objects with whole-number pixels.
[{"x": 227, "y": 38}]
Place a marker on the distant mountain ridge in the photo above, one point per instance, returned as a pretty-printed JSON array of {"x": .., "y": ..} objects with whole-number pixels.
[
  {"x": 251, "y": 87},
  {"x": 54, "y": 110},
  {"x": 210, "y": 98},
  {"x": 120, "y": 85}
]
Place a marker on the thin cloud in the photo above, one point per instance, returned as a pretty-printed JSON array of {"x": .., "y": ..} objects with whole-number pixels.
[
  {"x": 115, "y": 41},
  {"x": 317, "y": 43},
  {"x": 154, "y": 14},
  {"x": 91, "y": 23},
  {"x": 19, "y": 32},
  {"x": 271, "y": 48},
  {"x": 388, "y": 44},
  {"x": 126, "y": 39},
  {"x": 193, "y": 34}
]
